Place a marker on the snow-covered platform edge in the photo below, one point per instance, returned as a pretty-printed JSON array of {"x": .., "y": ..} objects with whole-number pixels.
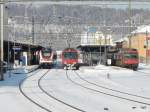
[{"x": 24, "y": 69}]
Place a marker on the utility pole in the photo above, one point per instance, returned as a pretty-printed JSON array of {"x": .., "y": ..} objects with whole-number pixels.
[
  {"x": 130, "y": 24},
  {"x": 1, "y": 38},
  {"x": 105, "y": 52},
  {"x": 100, "y": 54},
  {"x": 68, "y": 41},
  {"x": 33, "y": 38}
]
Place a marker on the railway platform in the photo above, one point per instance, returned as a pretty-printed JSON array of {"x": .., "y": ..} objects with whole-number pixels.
[{"x": 24, "y": 69}]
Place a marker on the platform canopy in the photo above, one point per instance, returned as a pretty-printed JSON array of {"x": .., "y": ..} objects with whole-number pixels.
[{"x": 93, "y": 48}]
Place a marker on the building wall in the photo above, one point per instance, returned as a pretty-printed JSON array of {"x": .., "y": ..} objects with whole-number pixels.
[{"x": 138, "y": 41}]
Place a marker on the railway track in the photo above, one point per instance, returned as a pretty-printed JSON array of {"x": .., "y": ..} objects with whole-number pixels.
[
  {"x": 46, "y": 93},
  {"x": 110, "y": 92},
  {"x": 26, "y": 96},
  {"x": 110, "y": 88},
  {"x": 119, "y": 68}
]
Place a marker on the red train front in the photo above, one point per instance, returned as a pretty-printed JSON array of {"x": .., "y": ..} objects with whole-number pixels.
[
  {"x": 70, "y": 58},
  {"x": 131, "y": 58},
  {"x": 127, "y": 58},
  {"x": 123, "y": 57}
]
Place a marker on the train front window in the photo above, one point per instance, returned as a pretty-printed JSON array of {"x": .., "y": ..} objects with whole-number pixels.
[
  {"x": 46, "y": 53},
  {"x": 131, "y": 56},
  {"x": 70, "y": 55}
]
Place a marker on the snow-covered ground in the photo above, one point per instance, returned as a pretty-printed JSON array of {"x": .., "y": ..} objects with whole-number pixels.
[{"x": 86, "y": 95}]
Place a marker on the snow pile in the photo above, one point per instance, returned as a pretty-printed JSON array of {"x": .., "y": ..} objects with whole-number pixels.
[
  {"x": 101, "y": 67},
  {"x": 144, "y": 66}
]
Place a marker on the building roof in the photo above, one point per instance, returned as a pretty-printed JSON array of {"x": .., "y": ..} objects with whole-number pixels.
[{"x": 142, "y": 29}]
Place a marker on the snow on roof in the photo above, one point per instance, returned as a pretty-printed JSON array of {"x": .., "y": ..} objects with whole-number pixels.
[
  {"x": 126, "y": 39},
  {"x": 122, "y": 39},
  {"x": 142, "y": 29},
  {"x": 119, "y": 40}
]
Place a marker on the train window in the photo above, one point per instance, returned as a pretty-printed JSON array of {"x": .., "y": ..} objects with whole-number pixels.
[
  {"x": 131, "y": 56},
  {"x": 70, "y": 55},
  {"x": 46, "y": 53}
]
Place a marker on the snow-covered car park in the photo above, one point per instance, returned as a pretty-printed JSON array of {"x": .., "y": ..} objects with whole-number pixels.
[{"x": 90, "y": 89}]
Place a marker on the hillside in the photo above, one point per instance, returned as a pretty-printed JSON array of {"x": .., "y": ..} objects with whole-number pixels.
[{"x": 70, "y": 21}]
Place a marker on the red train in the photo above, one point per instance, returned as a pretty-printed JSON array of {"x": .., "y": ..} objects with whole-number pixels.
[
  {"x": 124, "y": 57},
  {"x": 70, "y": 58},
  {"x": 46, "y": 57}
]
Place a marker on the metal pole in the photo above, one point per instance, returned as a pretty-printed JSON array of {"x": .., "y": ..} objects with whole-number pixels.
[
  {"x": 146, "y": 47},
  {"x": 29, "y": 54},
  {"x": 14, "y": 44},
  {"x": 105, "y": 50},
  {"x": 1, "y": 39},
  {"x": 69, "y": 41},
  {"x": 33, "y": 41},
  {"x": 130, "y": 24},
  {"x": 8, "y": 57},
  {"x": 99, "y": 49},
  {"x": 105, "y": 47}
]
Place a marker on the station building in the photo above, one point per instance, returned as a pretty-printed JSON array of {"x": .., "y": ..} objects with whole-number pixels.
[{"x": 93, "y": 47}]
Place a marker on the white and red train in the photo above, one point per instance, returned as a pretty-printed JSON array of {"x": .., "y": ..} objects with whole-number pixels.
[{"x": 47, "y": 57}]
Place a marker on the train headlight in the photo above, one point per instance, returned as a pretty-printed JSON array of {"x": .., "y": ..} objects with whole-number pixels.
[
  {"x": 65, "y": 62},
  {"x": 74, "y": 62}
]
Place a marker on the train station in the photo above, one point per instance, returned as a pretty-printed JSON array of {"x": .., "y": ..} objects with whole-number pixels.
[
  {"x": 74, "y": 56},
  {"x": 20, "y": 53}
]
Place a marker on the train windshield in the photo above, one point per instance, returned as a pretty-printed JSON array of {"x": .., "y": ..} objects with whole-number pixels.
[
  {"x": 131, "y": 56},
  {"x": 70, "y": 55},
  {"x": 46, "y": 53}
]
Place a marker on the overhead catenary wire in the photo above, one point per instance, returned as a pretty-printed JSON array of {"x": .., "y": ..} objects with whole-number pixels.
[{"x": 78, "y": 2}]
